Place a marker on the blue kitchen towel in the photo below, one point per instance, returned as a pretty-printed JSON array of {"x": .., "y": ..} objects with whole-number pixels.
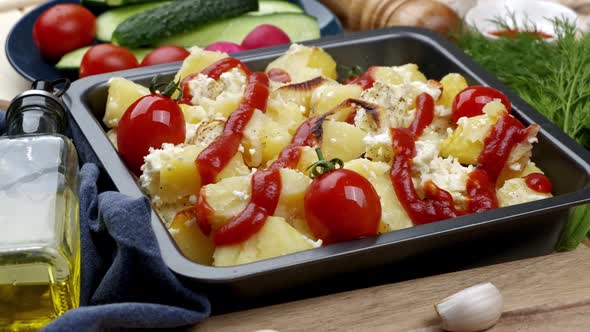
[{"x": 125, "y": 283}]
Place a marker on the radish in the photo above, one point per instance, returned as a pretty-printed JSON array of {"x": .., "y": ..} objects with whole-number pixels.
[
  {"x": 265, "y": 35},
  {"x": 226, "y": 47}
]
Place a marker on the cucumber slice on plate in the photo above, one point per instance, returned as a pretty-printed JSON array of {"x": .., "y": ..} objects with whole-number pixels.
[
  {"x": 72, "y": 60},
  {"x": 107, "y": 22},
  {"x": 176, "y": 17},
  {"x": 113, "y": 3},
  {"x": 276, "y": 6},
  {"x": 298, "y": 27}
]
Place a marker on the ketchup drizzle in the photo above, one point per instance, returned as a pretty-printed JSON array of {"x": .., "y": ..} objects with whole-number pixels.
[
  {"x": 437, "y": 204},
  {"x": 213, "y": 71},
  {"x": 218, "y": 154},
  {"x": 424, "y": 114},
  {"x": 481, "y": 192},
  {"x": 365, "y": 80},
  {"x": 505, "y": 135},
  {"x": 266, "y": 190}
]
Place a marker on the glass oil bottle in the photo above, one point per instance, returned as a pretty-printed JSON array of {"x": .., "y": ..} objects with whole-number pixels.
[{"x": 39, "y": 229}]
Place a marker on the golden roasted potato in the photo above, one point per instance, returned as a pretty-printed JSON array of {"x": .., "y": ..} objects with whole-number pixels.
[
  {"x": 452, "y": 85},
  {"x": 227, "y": 198},
  {"x": 467, "y": 141},
  {"x": 293, "y": 187},
  {"x": 326, "y": 97},
  {"x": 393, "y": 215},
  {"x": 515, "y": 191},
  {"x": 197, "y": 61},
  {"x": 288, "y": 114},
  {"x": 122, "y": 93},
  {"x": 304, "y": 63},
  {"x": 342, "y": 140},
  {"x": 398, "y": 74},
  {"x": 276, "y": 238},
  {"x": 190, "y": 240}
]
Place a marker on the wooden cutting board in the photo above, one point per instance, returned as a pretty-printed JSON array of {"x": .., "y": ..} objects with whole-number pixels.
[{"x": 549, "y": 293}]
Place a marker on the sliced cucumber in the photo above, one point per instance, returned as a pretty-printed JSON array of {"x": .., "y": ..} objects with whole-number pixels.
[
  {"x": 177, "y": 17},
  {"x": 276, "y": 6},
  {"x": 298, "y": 27},
  {"x": 114, "y": 3},
  {"x": 107, "y": 22},
  {"x": 72, "y": 60}
]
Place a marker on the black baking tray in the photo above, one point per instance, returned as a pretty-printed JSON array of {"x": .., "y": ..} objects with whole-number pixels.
[{"x": 515, "y": 232}]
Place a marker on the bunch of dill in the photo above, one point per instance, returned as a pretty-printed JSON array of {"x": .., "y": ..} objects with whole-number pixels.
[{"x": 553, "y": 77}]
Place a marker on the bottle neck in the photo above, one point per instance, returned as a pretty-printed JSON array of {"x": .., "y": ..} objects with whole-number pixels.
[{"x": 34, "y": 121}]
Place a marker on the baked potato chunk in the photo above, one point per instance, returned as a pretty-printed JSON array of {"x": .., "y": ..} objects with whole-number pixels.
[
  {"x": 467, "y": 141},
  {"x": 122, "y": 93},
  {"x": 276, "y": 238},
  {"x": 304, "y": 63},
  {"x": 393, "y": 215}
]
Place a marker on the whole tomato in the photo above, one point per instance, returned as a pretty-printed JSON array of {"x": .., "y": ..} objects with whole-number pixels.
[
  {"x": 340, "y": 204},
  {"x": 105, "y": 58},
  {"x": 471, "y": 100},
  {"x": 148, "y": 123},
  {"x": 165, "y": 54},
  {"x": 62, "y": 29}
]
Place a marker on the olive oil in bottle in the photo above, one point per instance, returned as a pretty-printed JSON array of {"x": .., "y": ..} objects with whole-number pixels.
[{"x": 39, "y": 229}]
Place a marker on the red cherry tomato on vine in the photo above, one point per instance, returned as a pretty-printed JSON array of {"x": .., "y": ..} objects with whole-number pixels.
[
  {"x": 165, "y": 54},
  {"x": 63, "y": 28},
  {"x": 342, "y": 205},
  {"x": 471, "y": 100},
  {"x": 105, "y": 58},
  {"x": 149, "y": 122}
]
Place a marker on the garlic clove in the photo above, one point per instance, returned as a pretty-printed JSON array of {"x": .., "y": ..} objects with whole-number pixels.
[{"x": 473, "y": 309}]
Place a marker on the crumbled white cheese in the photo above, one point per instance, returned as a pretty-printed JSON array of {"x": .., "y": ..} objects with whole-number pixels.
[
  {"x": 192, "y": 199},
  {"x": 251, "y": 151},
  {"x": 153, "y": 163},
  {"x": 314, "y": 244},
  {"x": 533, "y": 140},
  {"x": 442, "y": 111},
  {"x": 241, "y": 148},
  {"x": 241, "y": 195},
  {"x": 378, "y": 139},
  {"x": 191, "y": 132},
  {"x": 174, "y": 231},
  {"x": 202, "y": 87},
  {"x": 417, "y": 88},
  {"x": 333, "y": 140},
  {"x": 447, "y": 174},
  {"x": 206, "y": 91},
  {"x": 515, "y": 167}
]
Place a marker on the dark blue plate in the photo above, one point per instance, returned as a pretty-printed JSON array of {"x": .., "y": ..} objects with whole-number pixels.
[{"x": 26, "y": 60}]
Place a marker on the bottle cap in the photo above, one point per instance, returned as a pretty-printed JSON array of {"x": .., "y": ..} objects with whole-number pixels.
[{"x": 45, "y": 95}]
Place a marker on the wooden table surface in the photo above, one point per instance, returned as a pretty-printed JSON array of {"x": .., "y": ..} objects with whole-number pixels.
[{"x": 550, "y": 293}]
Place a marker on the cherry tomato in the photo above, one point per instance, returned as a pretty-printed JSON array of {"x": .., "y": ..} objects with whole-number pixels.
[
  {"x": 150, "y": 121},
  {"x": 63, "y": 28},
  {"x": 165, "y": 54},
  {"x": 105, "y": 58},
  {"x": 342, "y": 205},
  {"x": 471, "y": 100}
]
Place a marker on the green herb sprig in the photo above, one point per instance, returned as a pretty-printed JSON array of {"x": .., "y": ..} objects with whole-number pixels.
[{"x": 554, "y": 77}]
